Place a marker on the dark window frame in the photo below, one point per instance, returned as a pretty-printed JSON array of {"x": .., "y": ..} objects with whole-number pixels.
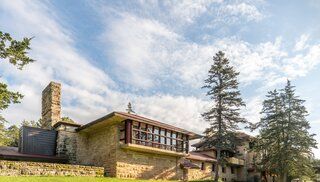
[
  {"x": 203, "y": 166},
  {"x": 223, "y": 169},
  {"x": 167, "y": 139}
]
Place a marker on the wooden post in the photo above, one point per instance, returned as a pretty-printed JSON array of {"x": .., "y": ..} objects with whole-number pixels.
[
  {"x": 187, "y": 149},
  {"x": 128, "y": 131}
]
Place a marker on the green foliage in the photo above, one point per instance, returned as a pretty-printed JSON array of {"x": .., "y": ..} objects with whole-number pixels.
[
  {"x": 7, "y": 97},
  {"x": 15, "y": 51},
  {"x": 67, "y": 120},
  {"x": 12, "y": 134},
  {"x": 284, "y": 142},
  {"x": 30, "y": 123},
  {"x": 3, "y": 137},
  {"x": 224, "y": 115}
]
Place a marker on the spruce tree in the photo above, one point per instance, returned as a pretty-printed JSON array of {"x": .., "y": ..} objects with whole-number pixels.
[
  {"x": 284, "y": 139},
  {"x": 224, "y": 115}
]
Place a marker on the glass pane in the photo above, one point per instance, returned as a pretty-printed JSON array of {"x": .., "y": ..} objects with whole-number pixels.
[
  {"x": 168, "y": 133},
  {"x": 174, "y": 135},
  {"x": 162, "y": 132},
  {"x": 143, "y": 126},
  {"x": 156, "y": 138},
  {"x": 162, "y": 140},
  {"x": 136, "y": 134},
  {"x": 156, "y": 130},
  {"x": 143, "y": 135},
  {"x": 135, "y": 125},
  {"x": 168, "y": 141},
  {"x": 149, "y": 138}
]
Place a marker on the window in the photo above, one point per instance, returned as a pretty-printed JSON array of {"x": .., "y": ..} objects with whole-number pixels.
[
  {"x": 223, "y": 170},
  {"x": 202, "y": 166},
  {"x": 251, "y": 145},
  {"x": 122, "y": 132},
  {"x": 232, "y": 169},
  {"x": 213, "y": 166},
  {"x": 154, "y": 136}
]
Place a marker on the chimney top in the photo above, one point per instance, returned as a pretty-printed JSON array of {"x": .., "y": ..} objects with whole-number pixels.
[{"x": 51, "y": 106}]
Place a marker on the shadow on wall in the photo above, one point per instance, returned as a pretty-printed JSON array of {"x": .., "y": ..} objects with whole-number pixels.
[{"x": 172, "y": 173}]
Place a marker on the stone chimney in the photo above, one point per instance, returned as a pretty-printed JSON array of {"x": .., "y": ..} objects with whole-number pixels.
[{"x": 51, "y": 107}]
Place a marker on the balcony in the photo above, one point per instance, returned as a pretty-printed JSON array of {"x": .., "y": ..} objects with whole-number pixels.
[
  {"x": 235, "y": 161},
  {"x": 141, "y": 148}
]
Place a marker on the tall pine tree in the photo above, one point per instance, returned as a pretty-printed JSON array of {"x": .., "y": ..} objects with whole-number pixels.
[
  {"x": 224, "y": 115},
  {"x": 284, "y": 139}
]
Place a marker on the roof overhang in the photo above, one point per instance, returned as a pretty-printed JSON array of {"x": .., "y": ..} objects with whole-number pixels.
[{"x": 116, "y": 117}]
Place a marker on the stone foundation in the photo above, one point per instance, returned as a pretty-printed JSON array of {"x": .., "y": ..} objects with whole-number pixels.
[
  {"x": 17, "y": 168},
  {"x": 140, "y": 165}
]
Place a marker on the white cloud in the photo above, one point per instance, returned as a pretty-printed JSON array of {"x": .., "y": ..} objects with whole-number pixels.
[
  {"x": 247, "y": 11},
  {"x": 140, "y": 53},
  {"x": 301, "y": 43},
  {"x": 300, "y": 64},
  {"x": 56, "y": 58},
  {"x": 87, "y": 91},
  {"x": 188, "y": 10}
]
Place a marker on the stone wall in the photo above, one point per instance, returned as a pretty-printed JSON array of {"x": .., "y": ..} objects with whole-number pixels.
[
  {"x": 199, "y": 174},
  {"x": 141, "y": 165},
  {"x": 17, "y": 168},
  {"x": 51, "y": 108},
  {"x": 67, "y": 145},
  {"x": 99, "y": 149}
]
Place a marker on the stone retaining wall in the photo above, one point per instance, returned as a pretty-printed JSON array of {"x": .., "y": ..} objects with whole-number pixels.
[{"x": 19, "y": 168}]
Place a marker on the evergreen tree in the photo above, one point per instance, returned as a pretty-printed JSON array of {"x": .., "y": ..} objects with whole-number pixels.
[
  {"x": 12, "y": 135},
  {"x": 30, "y": 123},
  {"x": 16, "y": 53},
  {"x": 224, "y": 115},
  {"x": 129, "y": 109},
  {"x": 3, "y": 137},
  {"x": 284, "y": 139}
]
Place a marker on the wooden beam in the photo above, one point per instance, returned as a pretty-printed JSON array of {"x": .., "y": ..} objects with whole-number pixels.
[{"x": 128, "y": 131}]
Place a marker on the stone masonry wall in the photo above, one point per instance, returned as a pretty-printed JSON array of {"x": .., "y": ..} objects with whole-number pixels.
[
  {"x": 18, "y": 168},
  {"x": 198, "y": 174},
  {"x": 51, "y": 108},
  {"x": 67, "y": 145},
  {"x": 99, "y": 149},
  {"x": 141, "y": 165}
]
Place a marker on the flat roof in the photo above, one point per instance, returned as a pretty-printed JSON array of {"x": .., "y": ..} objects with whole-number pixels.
[{"x": 121, "y": 116}]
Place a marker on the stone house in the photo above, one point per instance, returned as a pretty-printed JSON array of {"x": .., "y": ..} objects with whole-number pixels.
[{"x": 131, "y": 146}]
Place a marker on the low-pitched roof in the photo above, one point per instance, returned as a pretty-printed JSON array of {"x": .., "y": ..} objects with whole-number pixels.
[
  {"x": 194, "y": 155},
  {"x": 66, "y": 123},
  {"x": 124, "y": 116}
]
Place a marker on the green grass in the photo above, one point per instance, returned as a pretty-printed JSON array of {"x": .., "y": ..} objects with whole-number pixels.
[{"x": 67, "y": 179}]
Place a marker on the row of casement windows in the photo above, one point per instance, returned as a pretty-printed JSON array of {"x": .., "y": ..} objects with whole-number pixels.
[{"x": 154, "y": 136}]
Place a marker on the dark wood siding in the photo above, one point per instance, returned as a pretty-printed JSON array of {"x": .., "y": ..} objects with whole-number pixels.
[{"x": 37, "y": 141}]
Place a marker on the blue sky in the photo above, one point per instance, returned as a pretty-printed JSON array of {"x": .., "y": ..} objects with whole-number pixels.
[{"x": 156, "y": 54}]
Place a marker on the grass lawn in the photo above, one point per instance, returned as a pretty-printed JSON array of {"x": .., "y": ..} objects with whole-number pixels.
[{"x": 66, "y": 179}]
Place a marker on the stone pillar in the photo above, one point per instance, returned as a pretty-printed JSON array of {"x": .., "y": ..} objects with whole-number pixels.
[{"x": 51, "y": 107}]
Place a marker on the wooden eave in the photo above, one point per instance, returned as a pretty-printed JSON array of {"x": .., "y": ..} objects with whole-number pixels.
[{"x": 115, "y": 117}]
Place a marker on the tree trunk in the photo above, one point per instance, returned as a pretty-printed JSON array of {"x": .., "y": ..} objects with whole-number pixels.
[
  {"x": 284, "y": 177},
  {"x": 216, "y": 172}
]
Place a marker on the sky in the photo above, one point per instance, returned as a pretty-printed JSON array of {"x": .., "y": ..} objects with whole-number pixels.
[{"x": 156, "y": 54}]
